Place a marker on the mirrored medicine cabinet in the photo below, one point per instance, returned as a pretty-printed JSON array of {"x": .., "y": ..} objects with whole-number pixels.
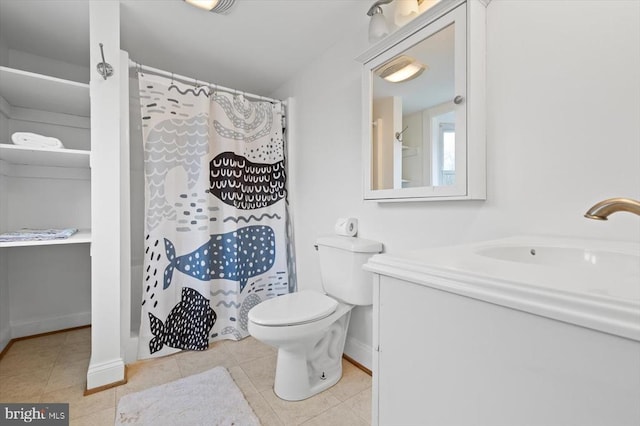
[{"x": 424, "y": 107}]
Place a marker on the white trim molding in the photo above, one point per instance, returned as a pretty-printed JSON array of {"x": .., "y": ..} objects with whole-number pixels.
[
  {"x": 359, "y": 352},
  {"x": 105, "y": 373}
]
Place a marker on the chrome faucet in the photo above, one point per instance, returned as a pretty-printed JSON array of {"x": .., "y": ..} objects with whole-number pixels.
[{"x": 602, "y": 210}]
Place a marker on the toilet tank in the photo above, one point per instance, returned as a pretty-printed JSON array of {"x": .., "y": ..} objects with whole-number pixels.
[{"x": 341, "y": 260}]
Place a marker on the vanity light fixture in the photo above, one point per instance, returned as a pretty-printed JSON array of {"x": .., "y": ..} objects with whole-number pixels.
[
  {"x": 402, "y": 68},
  {"x": 377, "y": 25},
  {"x": 216, "y": 6},
  {"x": 406, "y": 10}
]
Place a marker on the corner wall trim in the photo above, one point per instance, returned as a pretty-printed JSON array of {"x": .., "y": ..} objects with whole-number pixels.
[
  {"x": 51, "y": 324},
  {"x": 104, "y": 374},
  {"x": 33, "y": 336},
  {"x": 5, "y": 340},
  {"x": 359, "y": 352}
]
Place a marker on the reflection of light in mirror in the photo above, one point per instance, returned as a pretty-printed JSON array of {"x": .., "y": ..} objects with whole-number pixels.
[
  {"x": 203, "y": 4},
  {"x": 408, "y": 72},
  {"x": 402, "y": 68}
]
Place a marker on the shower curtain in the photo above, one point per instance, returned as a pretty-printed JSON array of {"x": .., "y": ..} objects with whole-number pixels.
[{"x": 216, "y": 224}]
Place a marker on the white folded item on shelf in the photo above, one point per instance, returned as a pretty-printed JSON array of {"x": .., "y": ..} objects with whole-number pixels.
[
  {"x": 37, "y": 234},
  {"x": 34, "y": 140}
]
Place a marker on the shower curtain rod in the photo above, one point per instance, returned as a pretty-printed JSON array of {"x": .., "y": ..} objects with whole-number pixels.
[{"x": 193, "y": 81}]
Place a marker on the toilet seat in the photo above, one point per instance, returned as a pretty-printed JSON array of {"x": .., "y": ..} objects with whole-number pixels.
[{"x": 294, "y": 308}]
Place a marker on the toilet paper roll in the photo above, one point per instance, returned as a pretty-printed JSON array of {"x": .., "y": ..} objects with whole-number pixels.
[{"x": 347, "y": 226}]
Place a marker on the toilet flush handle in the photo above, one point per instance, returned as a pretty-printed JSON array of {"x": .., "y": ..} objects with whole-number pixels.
[{"x": 315, "y": 246}]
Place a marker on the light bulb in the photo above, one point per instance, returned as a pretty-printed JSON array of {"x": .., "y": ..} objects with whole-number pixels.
[
  {"x": 406, "y": 10},
  {"x": 377, "y": 27}
]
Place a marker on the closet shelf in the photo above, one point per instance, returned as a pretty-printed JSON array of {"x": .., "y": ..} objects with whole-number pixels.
[
  {"x": 82, "y": 236},
  {"x": 16, "y": 154},
  {"x": 41, "y": 92}
]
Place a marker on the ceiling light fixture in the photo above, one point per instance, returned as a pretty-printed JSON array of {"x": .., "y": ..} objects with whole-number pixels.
[
  {"x": 402, "y": 68},
  {"x": 216, "y": 6},
  {"x": 378, "y": 25}
]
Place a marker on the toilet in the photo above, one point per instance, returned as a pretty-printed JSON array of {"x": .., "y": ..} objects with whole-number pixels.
[{"x": 308, "y": 327}]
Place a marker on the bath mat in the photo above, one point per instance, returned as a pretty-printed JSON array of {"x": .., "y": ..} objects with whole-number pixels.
[{"x": 209, "y": 398}]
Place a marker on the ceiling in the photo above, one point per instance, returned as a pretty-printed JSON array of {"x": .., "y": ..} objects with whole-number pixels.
[{"x": 256, "y": 47}]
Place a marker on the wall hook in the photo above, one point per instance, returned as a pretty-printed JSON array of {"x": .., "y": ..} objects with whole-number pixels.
[
  {"x": 105, "y": 69},
  {"x": 399, "y": 134}
]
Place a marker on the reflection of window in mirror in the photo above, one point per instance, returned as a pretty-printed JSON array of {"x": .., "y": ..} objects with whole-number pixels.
[
  {"x": 447, "y": 159},
  {"x": 439, "y": 141},
  {"x": 443, "y": 148}
]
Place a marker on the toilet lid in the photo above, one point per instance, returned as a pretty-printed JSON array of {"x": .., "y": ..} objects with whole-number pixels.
[{"x": 293, "y": 308}]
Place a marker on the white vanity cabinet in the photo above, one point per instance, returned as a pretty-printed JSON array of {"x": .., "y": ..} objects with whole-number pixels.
[
  {"x": 461, "y": 349},
  {"x": 46, "y": 285}
]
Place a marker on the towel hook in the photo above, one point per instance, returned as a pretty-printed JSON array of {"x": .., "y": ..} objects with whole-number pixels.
[
  {"x": 105, "y": 69},
  {"x": 399, "y": 134}
]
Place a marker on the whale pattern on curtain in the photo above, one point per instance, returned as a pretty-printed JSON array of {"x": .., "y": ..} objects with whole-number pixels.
[{"x": 216, "y": 222}]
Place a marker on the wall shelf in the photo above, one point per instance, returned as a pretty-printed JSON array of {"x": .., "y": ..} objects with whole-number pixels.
[
  {"x": 41, "y": 92},
  {"x": 16, "y": 154},
  {"x": 80, "y": 237}
]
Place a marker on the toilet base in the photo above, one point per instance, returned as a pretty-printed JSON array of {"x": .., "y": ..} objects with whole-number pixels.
[{"x": 310, "y": 367}]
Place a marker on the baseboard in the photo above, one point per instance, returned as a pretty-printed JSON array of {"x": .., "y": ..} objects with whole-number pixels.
[
  {"x": 130, "y": 349},
  {"x": 357, "y": 364},
  {"x": 105, "y": 374},
  {"x": 5, "y": 337},
  {"x": 29, "y": 328},
  {"x": 35, "y": 336},
  {"x": 359, "y": 352}
]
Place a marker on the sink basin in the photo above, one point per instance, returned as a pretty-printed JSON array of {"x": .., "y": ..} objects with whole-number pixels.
[
  {"x": 564, "y": 257},
  {"x": 595, "y": 267}
]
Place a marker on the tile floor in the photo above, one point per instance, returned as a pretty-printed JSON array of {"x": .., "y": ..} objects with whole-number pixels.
[{"x": 53, "y": 369}]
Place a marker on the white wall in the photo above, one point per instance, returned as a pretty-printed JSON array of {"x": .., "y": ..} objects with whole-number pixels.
[
  {"x": 136, "y": 154},
  {"x": 562, "y": 133}
]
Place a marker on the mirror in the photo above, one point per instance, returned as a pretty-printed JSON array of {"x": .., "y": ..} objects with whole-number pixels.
[
  {"x": 414, "y": 121},
  {"x": 416, "y": 125}
]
